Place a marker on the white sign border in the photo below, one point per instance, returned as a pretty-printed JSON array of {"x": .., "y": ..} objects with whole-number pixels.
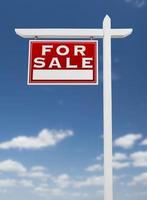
[{"x": 60, "y": 83}]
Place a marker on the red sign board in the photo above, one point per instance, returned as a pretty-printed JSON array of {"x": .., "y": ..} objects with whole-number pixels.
[{"x": 63, "y": 62}]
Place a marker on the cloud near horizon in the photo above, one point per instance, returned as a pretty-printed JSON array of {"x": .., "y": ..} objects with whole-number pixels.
[
  {"x": 36, "y": 178},
  {"x": 139, "y": 159},
  {"x": 45, "y": 138},
  {"x": 12, "y": 166},
  {"x": 139, "y": 179}
]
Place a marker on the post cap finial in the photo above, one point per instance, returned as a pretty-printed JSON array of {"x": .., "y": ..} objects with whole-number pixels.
[
  {"x": 107, "y": 21},
  {"x": 107, "y": 18}
]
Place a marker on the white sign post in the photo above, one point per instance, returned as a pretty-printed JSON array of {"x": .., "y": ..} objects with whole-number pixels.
[
  {"x": 107, "y": 110},
  {"x": 107, "y": 33}
]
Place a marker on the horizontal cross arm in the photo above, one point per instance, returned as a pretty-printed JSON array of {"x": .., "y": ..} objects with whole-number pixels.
[{"x": 71, "y": 33}]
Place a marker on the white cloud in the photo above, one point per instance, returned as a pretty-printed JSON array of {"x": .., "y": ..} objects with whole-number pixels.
[
  {"x": 62, "y": 181},
  {"x": 120, "y": 165},
  {"x": 139, "y": 159},
  {"x": 100, "y": 157},
  {"x": 58, "y": 192},
  {"x": 79, "y": 194},
  {"x": 90, "y": 181},
  {"x": 119, "y": 157},
  {"x": 120, "y": 161},
  {"x": 12, "y": 166},
  {"x": 37, "y": 175},
  {"x": 44, "y": 139},
  {"x": 127, "y": 141},
  {"x": 4, "y": 183},
  {"x": 50, "y": 191},
  {"x": 26, "y": 183},
  {"x": 137, "y": 3},
  {"x": 38, "y": 168},
  {"x": 144, "y": 142},
  {"x": 94, "y": 168},
  {"x": 139, "y": 179},
  {"x": 37, "y": 172}
]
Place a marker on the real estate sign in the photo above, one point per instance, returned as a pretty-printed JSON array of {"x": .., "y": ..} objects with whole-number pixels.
[{"x": 63, "y": 62}]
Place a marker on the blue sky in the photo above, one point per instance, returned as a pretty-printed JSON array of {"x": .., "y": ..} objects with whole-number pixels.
[{"x": 51, "y": 142}]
